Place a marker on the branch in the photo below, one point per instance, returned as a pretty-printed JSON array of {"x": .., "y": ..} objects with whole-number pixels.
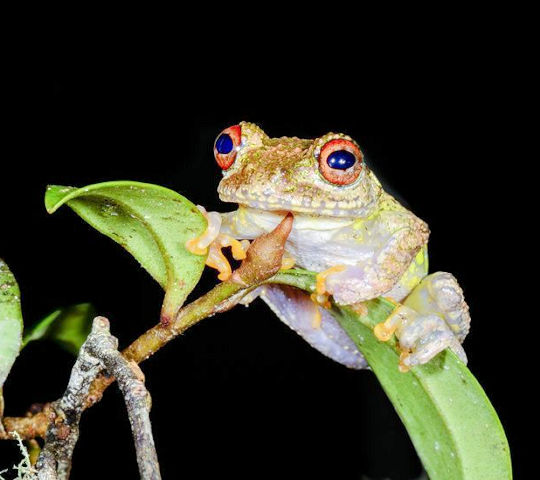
[
  {"x": 63, "y": 433},
  {"x": 263, "y": 260},
  {"x": 98, "y": 351},
  {"x": 131, "y": 382}
]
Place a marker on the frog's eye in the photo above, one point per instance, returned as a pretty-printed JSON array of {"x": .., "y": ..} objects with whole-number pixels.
[
  {"x": 340, "y": 161},
  {"x": 226, "y": 146}
]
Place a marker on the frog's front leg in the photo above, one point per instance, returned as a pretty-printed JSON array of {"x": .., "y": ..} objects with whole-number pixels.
[
  {"x": 433, "y": 317},
  {"x": 212, "y": 241}
]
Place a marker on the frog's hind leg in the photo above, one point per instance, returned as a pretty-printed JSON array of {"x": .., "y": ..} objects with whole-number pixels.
[
  {"x": 297, "y": 310},
  {"x": 433, "y": 317},
  {"x": 440, "y": 294}
]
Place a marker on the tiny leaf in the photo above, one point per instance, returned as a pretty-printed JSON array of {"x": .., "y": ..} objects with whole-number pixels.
[
  {"x": 68, "y": 327},
  {"x": 153, "y": 223},
  {"x": 11, "y": 323}
]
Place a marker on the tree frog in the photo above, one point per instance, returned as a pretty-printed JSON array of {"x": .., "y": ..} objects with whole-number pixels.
[{"x": 359, "y": 239}]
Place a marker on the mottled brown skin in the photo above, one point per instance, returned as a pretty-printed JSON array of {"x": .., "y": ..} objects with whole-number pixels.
[{"x": 283, "y": 174}]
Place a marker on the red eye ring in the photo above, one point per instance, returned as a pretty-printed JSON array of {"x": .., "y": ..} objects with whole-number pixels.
[
  {"x": 226, "y": 146},
  {"x": 334, "y": 159}
]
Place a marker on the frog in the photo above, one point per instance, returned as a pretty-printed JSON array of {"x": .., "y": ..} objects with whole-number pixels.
[{"x": 361, "y": 242}]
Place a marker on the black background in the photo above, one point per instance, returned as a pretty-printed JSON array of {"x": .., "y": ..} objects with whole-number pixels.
[{"x": 240, "y": 394}]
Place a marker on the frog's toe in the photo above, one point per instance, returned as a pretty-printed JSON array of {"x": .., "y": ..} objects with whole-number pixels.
[
  {"x": 422, "y": 337},
  {"x": 321, "y": 296},
  {"x": 217, "y": 260},
  {"x": 425, "y": 348},
  {"x": 199, "y": 245}
]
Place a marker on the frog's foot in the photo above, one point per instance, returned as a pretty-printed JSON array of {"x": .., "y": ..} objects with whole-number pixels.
[
  {"x": 440, "y": 293},
  {"x": 212, "y": 242},
  {"x": 321, "y": 297},
  {"x": 217, "y": 260},
  {"x": 421, "y": 336},
  {"x": 297, "y": 310}
]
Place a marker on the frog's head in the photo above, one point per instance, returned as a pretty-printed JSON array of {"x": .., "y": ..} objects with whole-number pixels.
[{"x": 326, "y": 176}]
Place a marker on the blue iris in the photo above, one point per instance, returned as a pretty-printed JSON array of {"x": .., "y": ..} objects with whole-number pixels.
[
  {"x": 224, "y": 144},
  {"x": 341, "y": 159}
]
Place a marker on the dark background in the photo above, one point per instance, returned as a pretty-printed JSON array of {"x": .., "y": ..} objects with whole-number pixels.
[{"x": 240, "y": 394}]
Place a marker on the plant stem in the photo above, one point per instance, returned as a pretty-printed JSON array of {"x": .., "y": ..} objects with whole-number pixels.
[{"x": 159, "y": 335}]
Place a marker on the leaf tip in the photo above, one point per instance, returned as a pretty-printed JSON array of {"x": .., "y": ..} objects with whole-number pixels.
[{"x": 54, "y": 194}]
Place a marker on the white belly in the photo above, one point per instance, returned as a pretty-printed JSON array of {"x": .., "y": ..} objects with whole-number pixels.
[{"x": 316, "y": 243}]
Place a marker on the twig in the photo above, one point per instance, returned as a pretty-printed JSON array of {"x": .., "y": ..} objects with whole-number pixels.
[
  {"x": 63, "y": 432},
  {"x": 131, "y": 382},
  {"x": 47, "y": 466},
  {"x": 98, "y": 351}
]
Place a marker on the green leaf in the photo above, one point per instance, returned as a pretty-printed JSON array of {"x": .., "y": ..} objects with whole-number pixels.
[
  {"x": 153, "y": 223},
  {"x": 451, "y": 422},
  {"x": 11, "y": 324},
  {"x": 68, "y": 327}
]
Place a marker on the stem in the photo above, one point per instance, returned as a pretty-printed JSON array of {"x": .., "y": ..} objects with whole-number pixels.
[{"x": 158, "y": 336}]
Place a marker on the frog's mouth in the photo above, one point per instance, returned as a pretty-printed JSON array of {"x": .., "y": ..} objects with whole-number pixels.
[
  {"x": 305, "y": 204},
  {"x": 301, "y": 193}
]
